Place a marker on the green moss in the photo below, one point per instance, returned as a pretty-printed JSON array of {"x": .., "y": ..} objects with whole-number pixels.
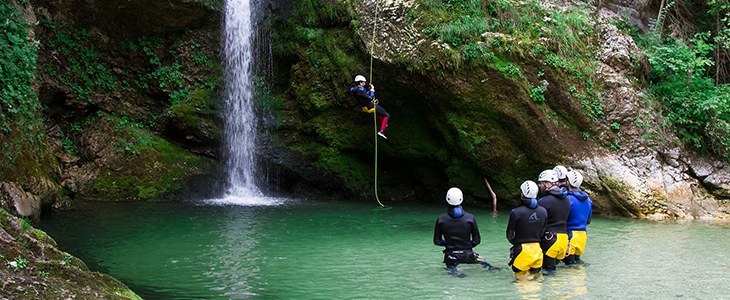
[
  {"x": 24, "y": 149},
  {"x": 151, "y": 167},
  {"x": 40, "y": 268},
  {"x": 355, "y": 174},
  {"x": 459, "y": 115},
  {"x": 188, "y": 106}
]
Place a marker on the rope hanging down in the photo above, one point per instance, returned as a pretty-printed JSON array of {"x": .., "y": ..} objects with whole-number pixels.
[{"x": 375, "y": 102}]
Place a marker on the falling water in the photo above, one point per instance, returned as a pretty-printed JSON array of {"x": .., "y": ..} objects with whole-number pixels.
[{"x": 240, "y": 34}]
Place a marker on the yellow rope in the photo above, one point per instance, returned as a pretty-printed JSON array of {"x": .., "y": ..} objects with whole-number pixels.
[{"x": 375, "y": 103}]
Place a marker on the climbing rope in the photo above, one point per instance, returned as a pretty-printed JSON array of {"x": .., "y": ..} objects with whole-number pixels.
[{"x": 375, "y": 102}]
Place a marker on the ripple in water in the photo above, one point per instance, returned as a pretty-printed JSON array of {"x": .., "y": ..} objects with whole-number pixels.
[{"x": 243, "y": 197}]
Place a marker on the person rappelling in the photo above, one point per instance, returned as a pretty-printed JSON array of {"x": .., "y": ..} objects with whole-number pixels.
[{"x": 365, "y": 97}]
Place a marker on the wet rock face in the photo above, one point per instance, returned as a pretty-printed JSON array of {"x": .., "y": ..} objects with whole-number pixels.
[
  {"x": 638, "y": 12},
  {"x": 134, "y": 17},
  {"x": 645, "y": 173},
  {"x": 148, "y": 93},
  {"x": 650, "y": 175},
  {"x": 14, "y": 199}
]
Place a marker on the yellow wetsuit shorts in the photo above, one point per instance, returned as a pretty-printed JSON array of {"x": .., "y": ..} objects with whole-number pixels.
[
  {"x": 558, "y": 249},
  {"x": 530, "y": 257},
  {"x": 578, "y": 242}
]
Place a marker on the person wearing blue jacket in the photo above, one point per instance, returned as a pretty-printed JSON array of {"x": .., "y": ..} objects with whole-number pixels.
[
  {"x": 364, "y": 98},
  {"x": 457, "y": 230},
  {"x": 581, "y": 212}
]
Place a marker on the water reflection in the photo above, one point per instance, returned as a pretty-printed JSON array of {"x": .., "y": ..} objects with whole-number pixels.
[
  {"x": 232, "y": 262},
  {"x": 569, "y": 283},
  {"x": 529, "y": 289}
]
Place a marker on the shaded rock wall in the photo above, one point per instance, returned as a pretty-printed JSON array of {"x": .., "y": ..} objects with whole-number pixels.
[
  {"x": 457, "y": 127},
  {"x": 131, "y": 90}
]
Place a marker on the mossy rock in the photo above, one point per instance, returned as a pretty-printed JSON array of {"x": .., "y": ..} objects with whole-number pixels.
[{"x": 32, "y": 267}]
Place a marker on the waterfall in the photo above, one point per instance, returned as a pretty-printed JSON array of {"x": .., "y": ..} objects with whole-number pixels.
[{"x": 240, "y": 35}]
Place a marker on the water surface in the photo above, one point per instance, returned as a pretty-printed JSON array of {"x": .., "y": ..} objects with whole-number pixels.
[{"x": 346, "y": 250}]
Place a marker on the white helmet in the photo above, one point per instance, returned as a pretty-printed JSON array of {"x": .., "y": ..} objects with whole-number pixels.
[
  {"x": 561, "y": 171},
  {"x": 575, "y": 179},
  {"x": 529, "y": 189},
  {"x": 359, "y": 78},
  {"x": 454, "y": 196},
  {"x": 549, "y": 176}
]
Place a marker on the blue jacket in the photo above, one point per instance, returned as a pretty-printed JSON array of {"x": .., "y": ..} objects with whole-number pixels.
[
  {"x": 362, "y": 95},
  {"x": 581, "y": 210}
]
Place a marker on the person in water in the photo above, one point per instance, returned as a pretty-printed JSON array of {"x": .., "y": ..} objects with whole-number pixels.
[
  {"x": 581, "y": 212},
  {"x": 365, "y": 97},
  {"x": 554, "y": 242},
  {"x": 457, "y": 230},
  {"x": 525, "y": 228}
]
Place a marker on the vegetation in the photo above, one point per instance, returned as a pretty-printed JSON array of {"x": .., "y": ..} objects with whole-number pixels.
[
  {"x": 23, "y": 145},
  {"x": 153, "y": 167},
  {"x": 177, "y": 71},
  {"x": 687, "y": 71},
  {"x": 503, "y": 35}
]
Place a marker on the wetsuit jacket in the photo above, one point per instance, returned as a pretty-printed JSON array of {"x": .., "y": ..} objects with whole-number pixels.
[
  {"x": 458, "y": 228},
  {"x": 526, "y": 224},
  {"x": 581, "y": 210},
  {"x": 362, "y": 96},
  {"x": 558, "y": 208}
]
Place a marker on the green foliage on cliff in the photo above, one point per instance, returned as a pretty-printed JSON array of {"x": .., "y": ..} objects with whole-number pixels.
[
  {"x": 24, "y": 148},
  {"x": 684, "y": 78},
  {"x": 123, "y": 102},
  {"x": 480, "y": 30},
  {"x": 86, "y": 75},
  {"x": 503, "y": 35},
  {"x": 154, "y": 169}
]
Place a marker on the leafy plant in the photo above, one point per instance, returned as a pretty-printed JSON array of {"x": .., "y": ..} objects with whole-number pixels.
[
  {"x": 700, "y": 109},
  {"x": 19, "y": 263},
  {"x": 537, "y": 93},
  {"x": 86, "y": 74},
  {"x": 585, "y": 135}
]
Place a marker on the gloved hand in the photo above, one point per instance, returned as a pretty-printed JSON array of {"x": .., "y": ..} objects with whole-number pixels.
[
  {"x": 442, "y": 243},
  {"x": 473, "y": 242}
]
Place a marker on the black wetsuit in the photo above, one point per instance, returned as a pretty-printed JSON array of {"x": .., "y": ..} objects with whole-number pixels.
[
  {"x": 525, "y": 229},
  {"x": 554, "y": 242},
  {"x": 558, "y": 209},
  {"x": 457, "y": 230},
  {"x": 526, "y": 225},
  {"x": 364, "y": 98}
]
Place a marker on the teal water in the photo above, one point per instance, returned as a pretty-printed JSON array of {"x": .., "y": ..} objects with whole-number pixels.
[{"x": 345, "y": 250}]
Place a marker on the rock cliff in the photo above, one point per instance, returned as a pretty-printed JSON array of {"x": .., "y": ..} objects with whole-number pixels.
[{"x": 128, "y": 100}]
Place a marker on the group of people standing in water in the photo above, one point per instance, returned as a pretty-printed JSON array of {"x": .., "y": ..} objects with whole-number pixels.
[{"x": 542, "y": 231}]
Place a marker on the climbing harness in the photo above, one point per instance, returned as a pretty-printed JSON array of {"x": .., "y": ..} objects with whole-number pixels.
[{"x": 375, "y": 103}]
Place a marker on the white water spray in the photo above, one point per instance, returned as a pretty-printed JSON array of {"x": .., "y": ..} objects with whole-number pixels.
[{"x": 240, "y": 40}]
